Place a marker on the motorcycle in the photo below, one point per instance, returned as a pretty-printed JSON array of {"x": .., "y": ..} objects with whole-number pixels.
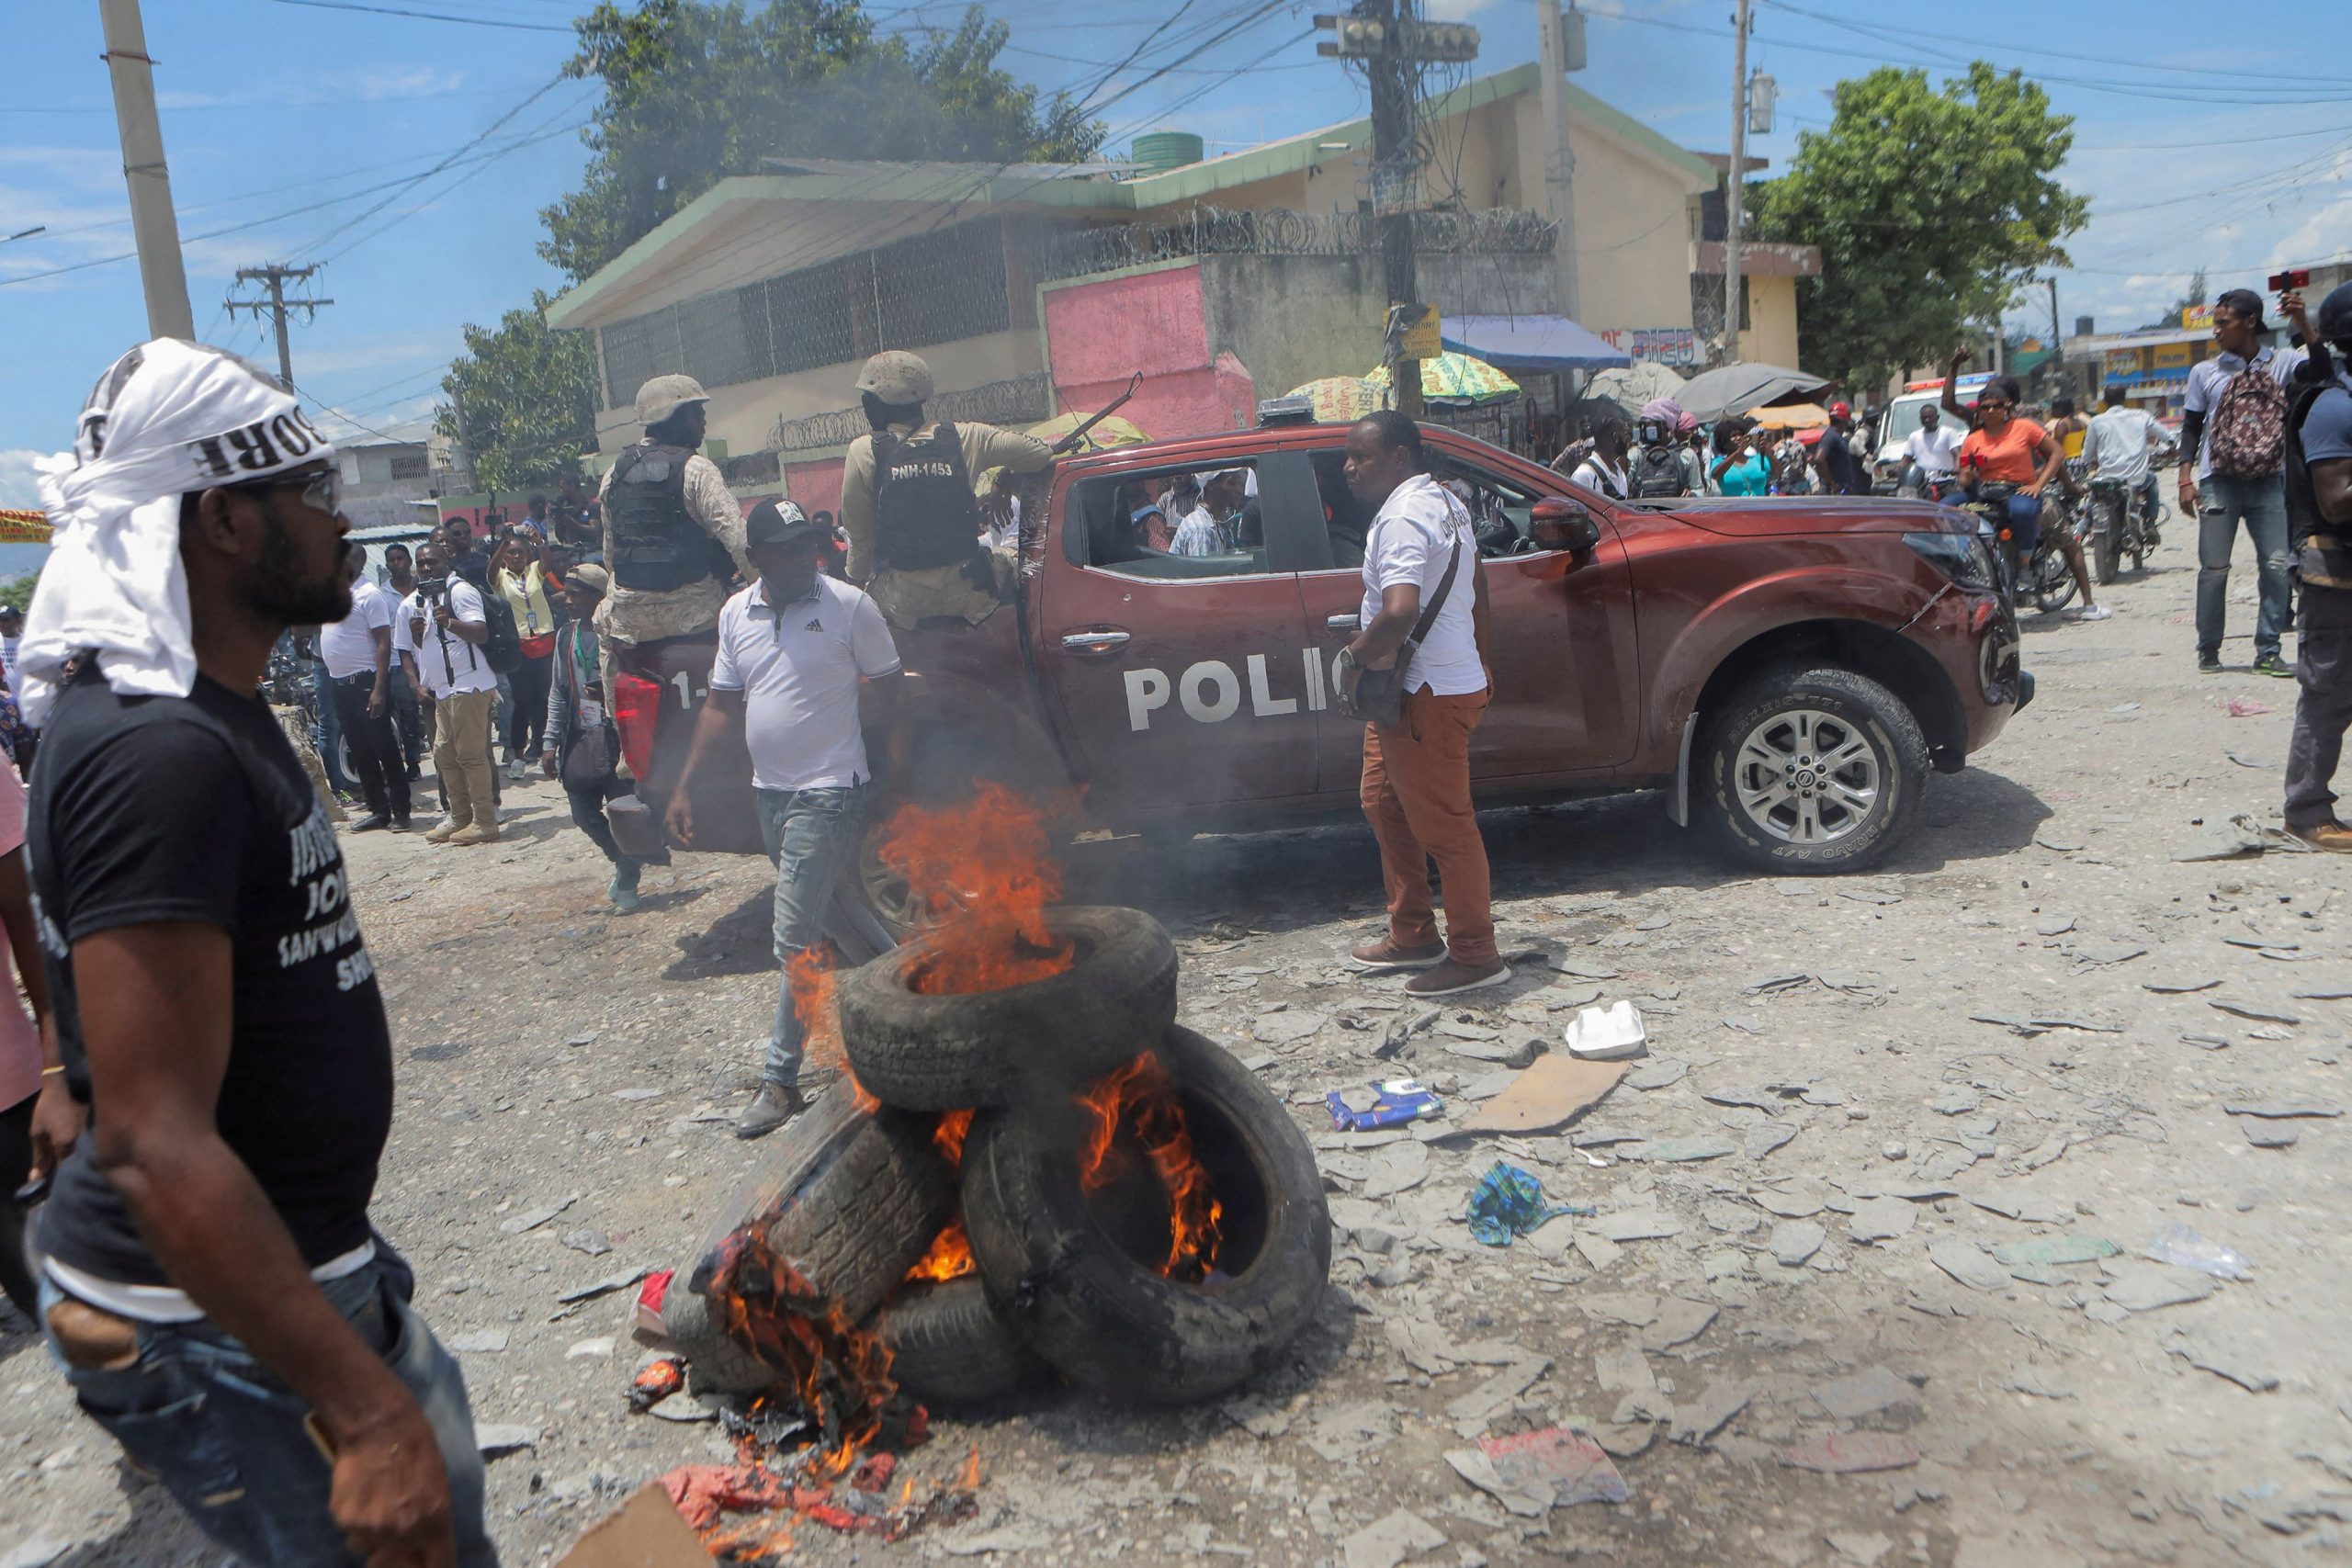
[
  {"x": 2120, "y": 524},
  {"x": 2043, "y": 574}
]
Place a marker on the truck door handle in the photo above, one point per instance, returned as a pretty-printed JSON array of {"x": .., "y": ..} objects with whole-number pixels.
[
  {"x": 1344, "y": 623},
  {"x": 1088, "y": 642}
]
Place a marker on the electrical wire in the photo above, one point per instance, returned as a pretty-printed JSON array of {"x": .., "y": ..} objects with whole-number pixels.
[{"x": 424, "y": 16}]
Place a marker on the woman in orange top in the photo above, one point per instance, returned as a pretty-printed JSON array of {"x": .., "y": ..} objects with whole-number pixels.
[{"x": 2006, "y": 450}]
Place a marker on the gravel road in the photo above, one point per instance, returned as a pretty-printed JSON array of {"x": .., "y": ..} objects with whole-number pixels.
[{"x": 1883, "y": 1194}]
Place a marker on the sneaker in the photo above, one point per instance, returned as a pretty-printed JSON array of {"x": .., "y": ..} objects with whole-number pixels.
[
  {"x": 624, "y": 897},
  {"x": 2094, "y": 612},
  {"x": 1448, "y": 977},
  {"x": 402, "y": 824},
  {"x": 514, "y": 771},
  {"x": 475, "y": 833},
  {"x": 450, "y": 828},
  {"x": 1386, "y": 955},
  {"x": 2330, "y": 836},
  {"x": 774, "y": 1106},
  {"x": 2271, "y": 664},
  {"x": 2209, "y": 664},
  {"x": 371, "y": 823}
]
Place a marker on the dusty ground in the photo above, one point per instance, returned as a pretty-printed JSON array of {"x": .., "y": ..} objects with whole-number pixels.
[{"x": 547, "y": 1049}]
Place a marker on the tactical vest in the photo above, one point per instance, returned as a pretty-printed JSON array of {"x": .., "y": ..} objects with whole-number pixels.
[
  {"x": 656, "y": 544},
  {"x": 2324, "y": 555},
  {"x": 926, "y": 514}
]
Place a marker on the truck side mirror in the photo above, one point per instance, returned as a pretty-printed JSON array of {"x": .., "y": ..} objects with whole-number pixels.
[{"x": 1560, "y": 523}]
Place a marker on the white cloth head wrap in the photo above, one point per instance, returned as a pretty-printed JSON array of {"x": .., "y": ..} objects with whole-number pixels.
[{"x": 165, "y": 419}]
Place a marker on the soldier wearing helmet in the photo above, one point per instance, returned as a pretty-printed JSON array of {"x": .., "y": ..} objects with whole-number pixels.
[
  {"x": 908, "y": 503},
  {"x": 674, "y": 532}
]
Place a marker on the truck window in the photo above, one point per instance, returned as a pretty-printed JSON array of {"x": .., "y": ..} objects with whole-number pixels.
[
  {"x": 1178, "y": 523},
  {"x": 1502, "y": 511}
]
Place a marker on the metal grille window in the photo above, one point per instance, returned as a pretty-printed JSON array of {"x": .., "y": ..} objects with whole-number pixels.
[
  {"x": 940, "y": 287},
  {"x": 808, "y": 316},
  {"x": 637, "y": 350}
]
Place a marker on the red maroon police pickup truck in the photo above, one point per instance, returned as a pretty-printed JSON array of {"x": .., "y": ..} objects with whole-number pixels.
[{"x": 1785, "y": 671}]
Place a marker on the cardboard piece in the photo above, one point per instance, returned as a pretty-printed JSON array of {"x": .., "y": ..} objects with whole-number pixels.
[
  {"x": 1547, "y": 1095},
  {"x": 644, "y": 1532}
]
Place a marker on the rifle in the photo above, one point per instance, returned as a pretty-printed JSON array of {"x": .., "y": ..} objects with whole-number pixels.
[{"x": 1071, "y": 443}]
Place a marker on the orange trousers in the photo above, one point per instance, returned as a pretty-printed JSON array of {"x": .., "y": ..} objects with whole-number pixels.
[{"x": 1416, "y": 797}]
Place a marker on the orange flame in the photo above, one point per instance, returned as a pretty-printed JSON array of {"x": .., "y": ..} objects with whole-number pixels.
[
  {"x": 969, "y": 1478},
  {"x": 950, "y": 1257},
  {"x": 809, "y": 978},
  {"x": 949, "y": 1135},
  {"x": 1140, "y": 1099},
  {"x": 826, "y": 1364},
  {"x": 984, "y": 872}
]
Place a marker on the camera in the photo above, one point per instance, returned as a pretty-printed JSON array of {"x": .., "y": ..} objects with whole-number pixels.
[{"x": 2300, "y": 278}]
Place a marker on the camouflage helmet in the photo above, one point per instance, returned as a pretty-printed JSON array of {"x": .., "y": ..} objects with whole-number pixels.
[{"x": 896, "y": 377}]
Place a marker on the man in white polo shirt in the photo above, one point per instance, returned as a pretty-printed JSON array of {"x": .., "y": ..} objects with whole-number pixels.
[
  {"x": 792, "y": 649},
  {"x": 446, "y": 624},
  {"x": 1421, "y": 553},
  {"x": 358, "y": 654}
]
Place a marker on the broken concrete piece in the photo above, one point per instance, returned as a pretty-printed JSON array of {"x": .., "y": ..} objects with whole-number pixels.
[
  {"x": 2213, "y": 1351},
  {"x": 2056, "y": 1250},
  {"x": 478, "y": 1341},
  {"x": 1682, "y": 1151},
  {"x": 1763, "y": 1139},
  {"x": 1425, "y": 1347},
  {"x": 1658, "y": 1073},
  {"x": 532, "y": 1219},
  {"x": 609, "y": 1284},
  {"x": 1865, "y": 1393},
  {"x": 1474, "y": 1467},
  {"x": 1704, "y": 1416},
  {"x": 1599, "y": 1252},
  {"x": 1881, "y": 1219},
  {"x": 1286, "y": 1028},
  {"x": 2024, "y": 1208},
  {"x": 2282, "y": 1110},
  {"x": 1556, "y": 1089},
  {"x": 2266, "y": 1134},
  {"x": 585, "y": 1239},
  {"x": 1967, "y": 1262},
  {"x": 1565, "y": 1464},
  {"x": 1633, "y": 1225},
  {"x": 1795, "y": 1241},
  {"x": 1473, "y": 1408},
  {"x": 1799, "y": 1199},
  {"x": 1399, "y": 1167},
  {"x": 1678, "y": 1322},
  {"x": 495, "y": 1437},
  {"x": 2144, "y": 1287},
  {"x": 1848, "y": 1453},
  {"x": 1614, "y": 1306},
  {"x": 1402, "y": 1535}
]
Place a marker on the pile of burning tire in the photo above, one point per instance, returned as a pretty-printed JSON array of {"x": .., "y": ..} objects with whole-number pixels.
[{"x": 1033, "y": 1170}]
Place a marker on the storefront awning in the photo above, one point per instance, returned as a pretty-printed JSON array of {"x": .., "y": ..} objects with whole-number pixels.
[{"x": 1530, "y": 343}]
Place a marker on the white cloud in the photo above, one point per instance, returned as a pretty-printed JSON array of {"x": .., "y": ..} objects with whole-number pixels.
[
  {"x": 17, "y": 487},
  {"x": 2323, "y": 234},
  {"x": 375, "y": 84}
]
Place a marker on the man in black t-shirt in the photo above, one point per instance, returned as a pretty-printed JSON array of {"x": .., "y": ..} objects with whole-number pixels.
[
  {"x": 1833, "y": 456},
  {"x": 211, "y": 1280}
]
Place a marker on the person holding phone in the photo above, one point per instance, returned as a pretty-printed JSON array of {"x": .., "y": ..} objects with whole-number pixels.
[{"x": 1742, "y": 468}]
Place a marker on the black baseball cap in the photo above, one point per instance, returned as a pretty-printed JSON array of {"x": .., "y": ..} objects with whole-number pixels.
[{"x": 774, "y": 522}]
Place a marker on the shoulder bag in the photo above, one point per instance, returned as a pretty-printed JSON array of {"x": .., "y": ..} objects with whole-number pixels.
[{"x": 1379, "y": 694}]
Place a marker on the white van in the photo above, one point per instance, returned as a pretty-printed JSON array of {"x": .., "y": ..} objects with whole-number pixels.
[{"x": 1901, "y": 419}]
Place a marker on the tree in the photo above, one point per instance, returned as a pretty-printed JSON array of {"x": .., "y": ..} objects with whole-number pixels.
[
  {"x": 16, "y": 594},
  {"x": 696, "y": 91},
  {"x": 530, "y": 397},
  {"x": 1929, "y": 208},
  {"x": 2190, "y": 299}
]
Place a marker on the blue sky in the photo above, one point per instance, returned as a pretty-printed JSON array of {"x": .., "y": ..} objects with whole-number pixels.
[{"x": 292, "y": 127}]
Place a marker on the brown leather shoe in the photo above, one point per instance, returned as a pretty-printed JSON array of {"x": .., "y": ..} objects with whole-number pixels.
[
  {"x": 775, "y": 1104},
  {"x": 2332, "y": 836},
  {"x": 1386, "y": 954},
  {"x": 1444, "y": 980}
]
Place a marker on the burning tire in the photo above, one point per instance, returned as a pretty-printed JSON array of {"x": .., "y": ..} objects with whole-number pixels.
[
  {"x": 1108, "y": 1319},
  {"x": 948, "y": 1344},
  {"x": 848, "y": 1203},
  {"x": 945, "y": 1051}
]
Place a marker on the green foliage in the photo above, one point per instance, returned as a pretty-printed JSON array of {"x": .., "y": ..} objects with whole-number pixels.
[
  {"x": 16, "y": 594},
  {"x": 2190, "y": 297},
  {"x": 530, "y": 396},
  {"x": 696, "y": 91},
  {"x": 1929, "y": 208}
]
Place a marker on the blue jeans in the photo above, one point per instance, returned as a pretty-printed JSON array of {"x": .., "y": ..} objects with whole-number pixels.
[
  {"x": 2221, "y": 502},
  {"x": 812, "y": 835},
  {"x": 327, "y": 734},
  {"x": 226, "y": 1438}
]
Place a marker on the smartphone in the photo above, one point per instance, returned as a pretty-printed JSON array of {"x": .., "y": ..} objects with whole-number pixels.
[
  {"x": 2300, "y": 278},
  {"x": 31, "y": 1192}
]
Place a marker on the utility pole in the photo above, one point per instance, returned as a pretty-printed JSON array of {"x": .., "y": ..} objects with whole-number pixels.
[
  {"x": 2058, "y": 339},
  {"x": 1561, "y": 49},
  {"x": 1392, "y": 42},
  {"x": 154, "y": 226},
  {"x": 1735, "y": 192},
  {"x": 277, "y": 277}
]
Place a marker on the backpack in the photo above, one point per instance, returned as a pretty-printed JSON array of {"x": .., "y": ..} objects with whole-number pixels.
[
  {"x": 2249, "y": 435},
  {"x": 1657, "y": 472},
  {"x": 501, "y": 649}
]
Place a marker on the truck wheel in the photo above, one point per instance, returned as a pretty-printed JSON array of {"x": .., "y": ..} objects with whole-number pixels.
[
  {"x": 919, "y": 1051},
  {"x": 1056, "y": 1272},
  {"x": 1812, "y": 772},
  {"x": 947, "y": 1344}
]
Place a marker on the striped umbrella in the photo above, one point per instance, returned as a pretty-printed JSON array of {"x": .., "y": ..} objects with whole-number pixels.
[
  {"x": 23, "y": 526},
  {"x": 1459, "y": 379}
]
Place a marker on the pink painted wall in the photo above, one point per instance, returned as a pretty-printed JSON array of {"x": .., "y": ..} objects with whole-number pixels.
[
  {"x": 1099, "y": 335},
  {"x": 816, "y": 486}
]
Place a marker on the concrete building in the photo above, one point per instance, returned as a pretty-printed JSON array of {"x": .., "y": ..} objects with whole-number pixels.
[
  {"x": 1035, "y": 289},
  {"x": 382, "y": 479}
]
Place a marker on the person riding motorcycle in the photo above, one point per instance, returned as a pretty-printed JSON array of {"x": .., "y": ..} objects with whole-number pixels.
[
  {"x": 2008, "y": 450},
  {"x": 2117, "y": 447}
]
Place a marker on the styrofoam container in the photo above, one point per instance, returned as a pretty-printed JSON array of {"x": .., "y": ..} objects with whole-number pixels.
[{"x": 1608, "y": 1035}]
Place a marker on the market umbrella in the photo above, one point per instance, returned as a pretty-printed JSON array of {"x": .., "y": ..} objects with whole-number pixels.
[
  {"x": 19, "y": 527},
  {"x": 1459, "y": 379},
  {"x": 1790, "y": 416},
  {"x": 1341, "y": 400},
  {"x": 1631, "y": 389},
  {"x": 1113, "y": 432},
  {"x": 1713, "y": 393}
]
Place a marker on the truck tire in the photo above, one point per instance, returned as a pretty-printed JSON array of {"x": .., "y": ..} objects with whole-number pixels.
[
  {"x": 948, "y": 1345},
  {"x": 1112, "y": 1323},
  {"x": 918, "y": 1051},
  {"x": 850, "y": 1199},
  {"x": 1812, "y": 772}
]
